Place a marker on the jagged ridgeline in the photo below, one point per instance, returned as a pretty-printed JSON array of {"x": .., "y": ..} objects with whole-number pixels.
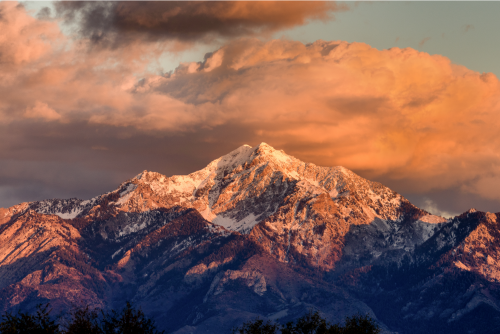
[{"x": 255, "y": 233}]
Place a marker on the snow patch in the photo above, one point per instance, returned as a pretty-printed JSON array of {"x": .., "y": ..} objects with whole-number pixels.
[
  {"x": 242, "y": 226},
  {"x": 204, "y": 182},
  {"x": 126, "y": 193},
  {"x": 278, "y": 315},
  {"x": 179, "y": 183},
  {"x": 225, "y": 222},
  {"x": 69, "y": 215},
  {"x": 207, "y": 214},
  {"x": 130, "y": 187},
  {"x": 310, "y": 188},
  {"x": 235, "y": 158},
  {"x": 129, "y": 229},
  {"x": 333, "y": 193},
  {"x": 116, "y": 253},
  {"x": 281, "y": 157}
]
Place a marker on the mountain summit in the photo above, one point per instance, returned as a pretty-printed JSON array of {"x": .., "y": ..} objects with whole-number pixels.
[
  {"x": 296, "y": 209},
  {"x": 256, "y": 232}
]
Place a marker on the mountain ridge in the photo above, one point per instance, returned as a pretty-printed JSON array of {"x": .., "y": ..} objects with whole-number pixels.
[{"x": 227, "y": 243}]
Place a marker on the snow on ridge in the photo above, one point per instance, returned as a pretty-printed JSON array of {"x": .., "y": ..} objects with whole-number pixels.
[
  {"x": 208, "y": 214},
  {"x": 235, "y": 158},
  {"x": 132, "y": 228},
  {"x": 65, "y": 209},
  {"x": 312, "y": 188},
  {"x": 190, "y": 183},
  {"x": 182, "y": 184},
  {"x": 333, "y": 193},
  {"x": 69, "y": 215},
  {"x": 243, "y": 226},
  {"x": 314, "y": 180},
  {"x": 129, "y": 188}
]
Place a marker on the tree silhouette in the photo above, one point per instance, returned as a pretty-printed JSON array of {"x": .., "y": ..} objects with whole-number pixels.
[
  {"x": 84, "y": 321},
  {"x": 128, "y": 321},
  {"x": 24, "y": 323},
  {"x": 257, "y": 326},
  {"x": 312, "y": 323},
  {"x": 81, "y": 321}
]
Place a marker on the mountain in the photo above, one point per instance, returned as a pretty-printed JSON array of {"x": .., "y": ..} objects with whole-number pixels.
[{"x": 255, "y": 233}]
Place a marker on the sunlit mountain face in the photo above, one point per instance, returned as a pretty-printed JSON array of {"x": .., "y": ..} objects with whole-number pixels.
[{"x": 257, "y": 232}]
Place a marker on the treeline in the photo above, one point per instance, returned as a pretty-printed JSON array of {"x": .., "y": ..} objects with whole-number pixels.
[
  {"x": 78, "y": 321},
  {"x": 131, "y": 321},
  {"x": 311, "y": 323}
]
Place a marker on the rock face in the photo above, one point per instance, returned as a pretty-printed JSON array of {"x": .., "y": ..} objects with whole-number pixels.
[{"x": 255, "y": 233}]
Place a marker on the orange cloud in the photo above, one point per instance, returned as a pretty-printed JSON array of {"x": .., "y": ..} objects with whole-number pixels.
[
  {"x": 41, "y": 67},
  {"x": 397, "y": 113},
  {"x": 118, "y": 23},
  {"x": 20, "y": 41},
  {"x": 41, "y": 111}
]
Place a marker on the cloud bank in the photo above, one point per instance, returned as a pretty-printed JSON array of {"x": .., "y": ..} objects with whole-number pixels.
[
  {"x": 400, "y": 113},
  {"x": 395, "y": 114},
  {"x": 116, "y": 24}
]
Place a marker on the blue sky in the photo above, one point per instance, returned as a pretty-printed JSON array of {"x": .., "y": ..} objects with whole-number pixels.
[{"x": 467, "y": 32}]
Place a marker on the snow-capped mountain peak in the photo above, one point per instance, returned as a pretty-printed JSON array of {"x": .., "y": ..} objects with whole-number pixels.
[
  {"x": 243, "y": 188},
  {"x": 266, "y": 193}
]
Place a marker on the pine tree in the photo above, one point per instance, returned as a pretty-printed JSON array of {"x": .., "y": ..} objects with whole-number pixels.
[
  {"x": 129, "y": 321},
  {"x": 312, "y": 323},
  {"x": 24, "y": 323}
]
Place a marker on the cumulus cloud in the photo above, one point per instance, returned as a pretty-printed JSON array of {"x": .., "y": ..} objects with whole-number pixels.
[
  {"x": 41, "y": 111},
  {"x": 20, "y": 40},
  {"x": 430, "y": 206},
  {"x": 395, "y": 114},
  {"x": 46, "y": 75},
  {"x": 117, "y": 23},
  {"x": 398, "y": 113}
]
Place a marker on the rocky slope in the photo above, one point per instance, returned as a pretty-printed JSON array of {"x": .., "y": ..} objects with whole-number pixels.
[{"x": 255, "y": 233}]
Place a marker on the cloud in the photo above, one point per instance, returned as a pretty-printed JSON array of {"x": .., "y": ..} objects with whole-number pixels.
[
  {"x": 117, "y": 23},
  {"x": 392, "y": 115},
  {"x": 41, "y": 111},
  {"x": 20, "y": 41},
  {"x": 423, "y": 41},
  {"x": 46, "y": 75},
  {"x": 431, "y": 206}
]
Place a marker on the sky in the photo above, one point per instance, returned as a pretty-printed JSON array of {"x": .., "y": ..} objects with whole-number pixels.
[{"x": 402, "y": 93}]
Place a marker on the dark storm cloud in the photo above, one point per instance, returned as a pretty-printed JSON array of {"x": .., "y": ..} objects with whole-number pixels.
[
  {"x": 117, "y": 23},
  {"x": 44, "y": 13}
]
